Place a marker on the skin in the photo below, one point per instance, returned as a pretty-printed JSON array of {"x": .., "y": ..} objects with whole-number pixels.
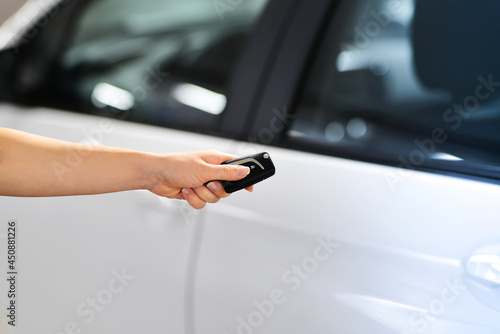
[{"x": 35, "y": 166}]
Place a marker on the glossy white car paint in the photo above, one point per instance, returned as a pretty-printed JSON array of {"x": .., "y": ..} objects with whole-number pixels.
[{"x": 324, "y": 246}]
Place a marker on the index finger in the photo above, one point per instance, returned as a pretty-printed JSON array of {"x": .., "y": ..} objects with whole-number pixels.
[{"x": 216, "y": 157}]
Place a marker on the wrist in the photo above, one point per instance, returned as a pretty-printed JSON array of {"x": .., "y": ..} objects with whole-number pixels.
[
  {"x": 147, "y": 166},
  {"x": 153, "y": 167}
]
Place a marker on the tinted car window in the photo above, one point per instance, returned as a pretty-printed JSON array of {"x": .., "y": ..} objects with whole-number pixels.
[
  {"x": 409, "y": 83},
  {"x": 163, "y": 62}
]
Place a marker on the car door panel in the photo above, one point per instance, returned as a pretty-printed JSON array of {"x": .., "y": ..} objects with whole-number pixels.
[
  {"x": 398, "y": 265},
  {"x": 71, "y": 248},
  {"x": 401, "y": 264}
]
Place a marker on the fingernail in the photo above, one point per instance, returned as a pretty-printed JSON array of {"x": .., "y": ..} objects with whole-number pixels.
[
  {"x": 212, "y": 186},
  {"x": 185, "y": 191},
  {"x": 243, "y": 170}
]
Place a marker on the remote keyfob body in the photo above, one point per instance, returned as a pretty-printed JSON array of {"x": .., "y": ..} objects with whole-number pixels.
[{"x": 261, "y": 167}]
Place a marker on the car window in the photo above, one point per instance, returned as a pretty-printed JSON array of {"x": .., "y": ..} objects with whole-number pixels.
[
  {"x": 163, "y": 62},
  {"x": 412, "y": 83}
]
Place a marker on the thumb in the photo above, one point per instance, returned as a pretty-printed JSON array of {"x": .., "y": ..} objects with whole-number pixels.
[{"x": 228, "y": 172}]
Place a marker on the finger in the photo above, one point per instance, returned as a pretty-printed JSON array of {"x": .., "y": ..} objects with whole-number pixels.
[
  {"x": 216, "y": 157},
  {"x": 193, "y": 199},
  {"x": 206, "y": 195},
  {"x": 227, "y": 172},
  {"x": 217, "y": 188},
  {"x": 249, "y": 189}
]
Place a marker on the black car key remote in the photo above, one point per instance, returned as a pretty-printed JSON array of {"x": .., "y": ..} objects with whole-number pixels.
[{"x": 261, "y": 167}]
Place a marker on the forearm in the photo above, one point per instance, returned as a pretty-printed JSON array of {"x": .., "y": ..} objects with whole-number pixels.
[
  {"x": 32, "y": 165},
  {"x": 37, "y": 166}
]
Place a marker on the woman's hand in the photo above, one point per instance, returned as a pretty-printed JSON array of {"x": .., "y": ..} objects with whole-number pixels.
[
  {"x": 191, "y": 176},
  {"x": 36, "y": 166}
]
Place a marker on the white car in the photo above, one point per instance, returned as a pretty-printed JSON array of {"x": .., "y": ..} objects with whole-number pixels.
[{"x": 382, "y": 120}]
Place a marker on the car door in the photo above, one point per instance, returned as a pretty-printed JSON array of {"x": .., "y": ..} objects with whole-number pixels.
[
  {"x": 122, "y": 262},
  {"x": 383, "y": 213}
]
